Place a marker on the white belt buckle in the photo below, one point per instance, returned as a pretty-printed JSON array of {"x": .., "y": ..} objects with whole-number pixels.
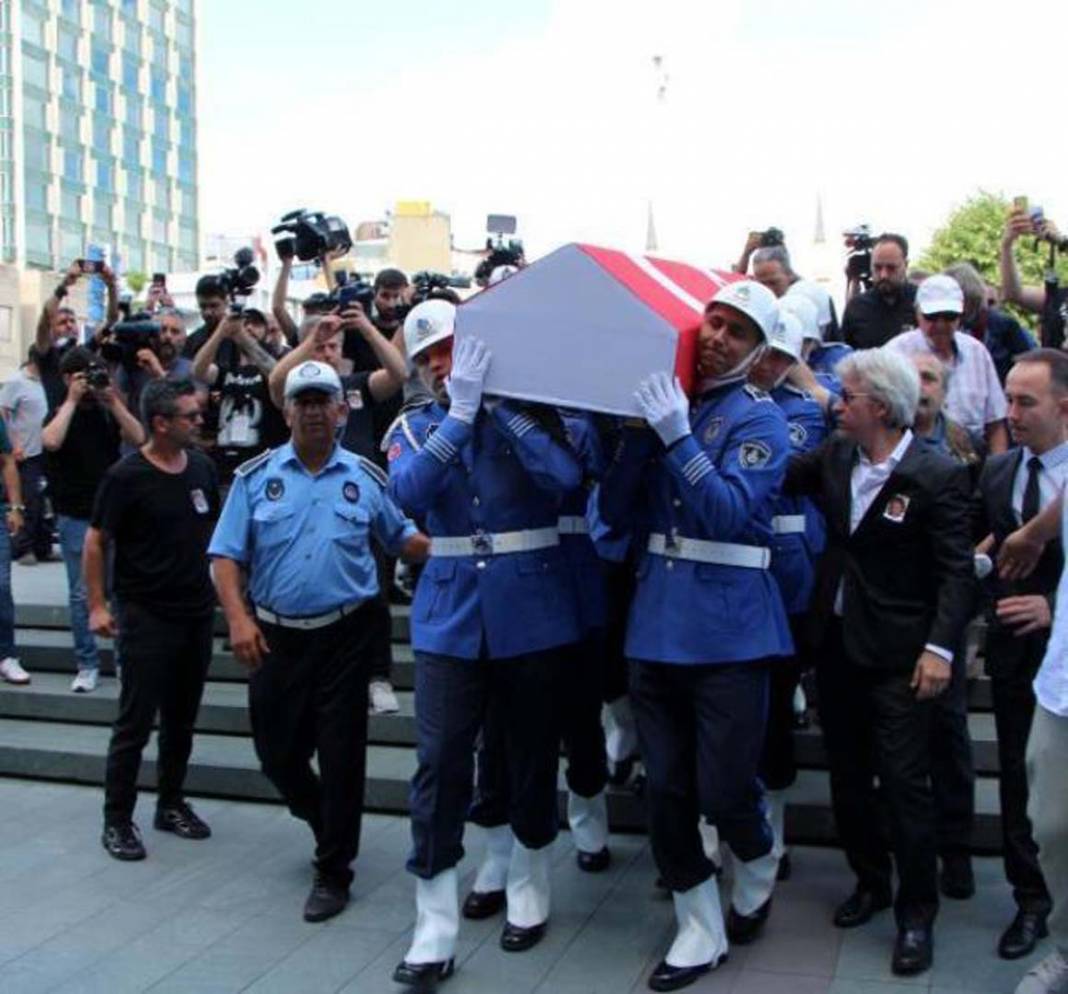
[
  {"x": 482, "y": 543},
  {"x": 672, "y": 545}
]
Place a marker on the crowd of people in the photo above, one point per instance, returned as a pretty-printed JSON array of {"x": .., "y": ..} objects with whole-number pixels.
[{"x": 663, "y": 596}]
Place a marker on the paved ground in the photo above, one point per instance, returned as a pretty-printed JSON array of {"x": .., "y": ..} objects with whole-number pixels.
[
  {"x": 224, "y": 915},
  {"x": 44, "y": 583}
]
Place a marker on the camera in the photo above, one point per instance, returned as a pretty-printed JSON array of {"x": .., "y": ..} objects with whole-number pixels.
[
  {"x": 351, "y": 290},
  {"x": 770, "y": 237},
  {"x": 425, "y": 283},
  {"x": 97, "y": 376},
  {"x": 127, "y": 338},
  {"x": 239, "y": 280},
  {"x": 859, "y": 242},
  {"x": 501, "y": 253},
  {"x": 310, "y": 235}
]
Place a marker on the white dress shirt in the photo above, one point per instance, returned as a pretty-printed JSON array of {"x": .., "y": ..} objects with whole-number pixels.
[
  {"x": 1051, "y": 477},
  {"x": 1051, "y": 684}
]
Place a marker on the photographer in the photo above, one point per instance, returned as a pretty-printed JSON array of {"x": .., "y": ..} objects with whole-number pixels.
[
  {"x": 389, "y": 308},
  {"x": 156, "y": 509},
  {"x": 81, "y": 440},
  {"x": 235, "y": 363},
  {"x": 160, "y": 358},
  {"x": 1049, "y": 300},
  {"x": 213, "y": 304},
  {"x": 875, "y": 316}
]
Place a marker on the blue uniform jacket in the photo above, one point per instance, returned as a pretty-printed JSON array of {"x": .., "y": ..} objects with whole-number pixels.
[
  {"x": 505, "y": 473},
  {"x": 717, "y": 484},
  {"x": 794, "y": 555},
  {"x": 825, "y": 357}
]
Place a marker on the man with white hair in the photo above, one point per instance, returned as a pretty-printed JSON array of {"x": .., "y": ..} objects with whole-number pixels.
[{"x": 898, "y": 560}]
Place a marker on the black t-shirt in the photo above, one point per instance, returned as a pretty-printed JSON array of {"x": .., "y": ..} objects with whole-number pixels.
[
  {"x": 51, "y": 378},
  {"x": 870, "y": 320},
  {"x": 248, "y": 420},
  {"x": 76, "y": 468},
  {"x": 161, "y": 524},
  {"x": 359, "y": 433}
]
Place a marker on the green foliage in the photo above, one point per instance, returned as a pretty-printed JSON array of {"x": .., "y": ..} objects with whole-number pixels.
[
  {"x": 972, "y": 233},
  {"x": 136, "y": 281}
]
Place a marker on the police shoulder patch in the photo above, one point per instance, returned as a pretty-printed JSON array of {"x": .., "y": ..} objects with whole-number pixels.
[
  {"x": 373, "y": 470},
  {"x": 756, "y": 393},
  {"x": 250, "y": 466},
  {"x": 275, "y": 488},
  {"x": 798, "y": 434},
  {"x": 754, "y": 454}
]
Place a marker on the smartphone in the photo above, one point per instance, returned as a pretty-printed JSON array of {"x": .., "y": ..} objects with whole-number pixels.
[
  {"x": 89, "y": 265},
  {"x": 1019, "y": 205},
  {"x": 160, "y": 280}
]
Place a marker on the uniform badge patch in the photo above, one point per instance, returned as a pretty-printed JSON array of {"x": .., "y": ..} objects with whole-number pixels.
[
  {"x": 354, "y": 399},
  {"x": 753, "y": 455},
  {"x": 200, "y": 502},
  {"x": 896, "y": 508},
  {"x": 394, "y": 451},
  {"x": 275, "y": 488},
  {"x": 350, "y": 492},
  {"x": 712, "y": 429},
  {"x": 798, "y": 434}
]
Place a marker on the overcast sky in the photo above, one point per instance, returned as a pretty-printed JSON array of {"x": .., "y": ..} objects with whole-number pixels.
[{"x": 894, "y": 112}]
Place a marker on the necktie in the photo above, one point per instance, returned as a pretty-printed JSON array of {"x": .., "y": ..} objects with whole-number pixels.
[{"x": 1030, "y": 497}]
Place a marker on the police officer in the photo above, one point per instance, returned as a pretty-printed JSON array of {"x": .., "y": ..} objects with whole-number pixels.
[
  {"x": 297, "y": 522},
  {"x": 493, "y": 611},
  {"x": 799, "y": 537},
  {"x": 802, "y": 300},
  {"x": 707, "y": 621}
]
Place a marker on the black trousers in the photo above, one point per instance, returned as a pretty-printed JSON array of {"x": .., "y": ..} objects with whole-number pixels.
[
  {"x": 455, "y": 699},
  {"x": 36, "y": 534},
  {"x": 381, "y": 662},
  {"x": 310, "y": 698},
  {"x": 581, "y": 732},
  {"x": 165, "y": 664},
  {"x": 619, "y": 585},
  {"x": 1012, "y": 664},
  {"x": 952, "y": 770},
  {"x": 701, "y": 729},
  {"x": 874, "y": 726}
]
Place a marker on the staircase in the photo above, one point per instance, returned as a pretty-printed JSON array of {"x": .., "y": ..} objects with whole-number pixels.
[{"x": 49, "y": 733}]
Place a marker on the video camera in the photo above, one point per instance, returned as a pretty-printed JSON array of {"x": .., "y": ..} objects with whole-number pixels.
[
  {"x": 859, "y": 242},
  {"x": 127, "y": 338},
  {"x": 239, "y": 281},
  {"x": 425, "y": 283},
  {"x": 351, "y": 289},
  {"x": 310, "y": 235},
  {"x": 97, "y": 375},
  {"x": 500, "y": 252}
]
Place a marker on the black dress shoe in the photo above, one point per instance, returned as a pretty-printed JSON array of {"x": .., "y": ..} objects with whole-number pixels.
[
  {"x": 123, "y": 841},
  {"x": 913, "y": 951},
  {"x": 957, "y": 880},
  {"x": 516, "y": 940},
  {"x": 326, "y": 899},
  {"x": 672, "y": 978},
  {"x": 621, "y": 771},
  {"x": 858, "y": 908},
  {"x": 422, "y": 976},
  {"x": 182, "y": 820},
  {"x": 483, "y": 904},
  {"x": 786, "y": 868},
  {"x": 743, "y": 929},
  {"x": 1020, "y": 937},
  {"x": 593, "y": 862}
]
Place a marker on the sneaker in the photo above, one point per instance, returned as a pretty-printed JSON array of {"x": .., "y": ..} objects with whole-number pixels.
[
  {"x": 1050, "y": 976},
  {"x": 123, "y": 842},
  {"x": 383, "y": 700},
  {"x": 181, "y": 819},
  {"x": 12, "y": 671},
  {"x": 84, "y": 682}
]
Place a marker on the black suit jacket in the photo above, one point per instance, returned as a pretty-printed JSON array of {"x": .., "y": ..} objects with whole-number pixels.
[{"x": 907, "y": 569}]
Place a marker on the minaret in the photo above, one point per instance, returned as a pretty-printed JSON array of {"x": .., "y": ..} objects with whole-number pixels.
[
  {"x": 650, "y": 230},
  {"x": 819, "y": 238},
  {"x": 661, "y": 79},
  {"x": 821, "y": 256}
]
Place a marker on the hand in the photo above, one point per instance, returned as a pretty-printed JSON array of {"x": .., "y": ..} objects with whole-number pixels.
[
  {"x": 1018, "y": 555},
  {"x": 1025, "y": 613},
  {"x": 18, "y": 453},
  {"x": 354, "y": 316},
  {"x": 248, "y": 642},
  {"x": 78, "y": 388},
  {"x": 231, "y": 326},
  {"x": 102, "y": 623},
  {"x": 14, "y": 521},
  {"x": 107, "y": 274},
  {"x": 1018, "y": 223},
  {"x": 108, "y": 397},
  {"x": 931, "y": 675},
  {"x": 326, "y": 328},
  {"x": 149, "y": 362},
  {"x": 752, "y": 242},
  {"x": 665, "y": 407},
  {"x": 800, "y": 375},
  {"x": 470, "y": 362},
  {"x": 72, "y": 275}
]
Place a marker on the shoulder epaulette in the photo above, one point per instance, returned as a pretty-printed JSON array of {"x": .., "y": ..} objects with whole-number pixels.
[
  {"x": 401, "y": 421},
  {"x": 373, "y": 470},
  {"x": 756, "y": 393},
  {"x": 250, "y": 466}
]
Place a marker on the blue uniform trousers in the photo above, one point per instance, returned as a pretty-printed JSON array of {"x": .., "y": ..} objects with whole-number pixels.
[
  {"x": 701, "y": 729},
  {"x": 454, "y": 697}
]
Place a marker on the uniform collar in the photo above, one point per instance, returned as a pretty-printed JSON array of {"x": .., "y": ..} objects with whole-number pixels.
[
  {"x": 288, "y": 457},
  {"x": 712, "y": 385}
]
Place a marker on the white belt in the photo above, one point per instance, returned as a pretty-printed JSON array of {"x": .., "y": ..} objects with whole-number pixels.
[
  {"x": 720, "y": 553},
  {"x": 315, "y": 621},
  {"x": 574, "y": 525},
  {"x": 788, "y": 524},
  {"x": 495, "y": 544}
]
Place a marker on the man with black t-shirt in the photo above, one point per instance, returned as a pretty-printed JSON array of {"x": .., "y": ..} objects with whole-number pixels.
[
  {"x": 874, "y": 317},
  {"x": 212, "y": 303},
  {"x": 81, "y": 440},
  {"x": 157, "y": 507}
]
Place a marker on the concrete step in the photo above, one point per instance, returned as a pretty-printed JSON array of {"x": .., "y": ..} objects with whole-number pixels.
[
  {"x": 224, "y": 711},
  {"x": 225, "y": 765}
]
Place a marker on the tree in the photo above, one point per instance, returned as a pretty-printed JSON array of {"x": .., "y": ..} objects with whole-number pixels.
[
  {"x": 972, "y": 233},
  {"x": 136, "y": 281}
]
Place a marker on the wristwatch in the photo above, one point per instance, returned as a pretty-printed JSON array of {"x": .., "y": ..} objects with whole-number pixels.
[{"x": 16, "y": 507}]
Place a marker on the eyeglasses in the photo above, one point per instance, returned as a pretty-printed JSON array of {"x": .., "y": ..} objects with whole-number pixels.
[
  {"x": 848, "y": 396},
  {"x": 943, "y": 316}
]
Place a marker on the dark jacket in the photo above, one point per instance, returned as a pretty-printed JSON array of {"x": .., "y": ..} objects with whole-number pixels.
[
  {"x": 870, "y": 320},
  {"x": 907, "y": 582},
  {"x": 1004, "y": 339}
]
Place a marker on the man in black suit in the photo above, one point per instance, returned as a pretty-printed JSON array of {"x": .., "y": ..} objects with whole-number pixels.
[
  {"x": 1013, "y": 488},
  {"x": 892, "y": 597}
]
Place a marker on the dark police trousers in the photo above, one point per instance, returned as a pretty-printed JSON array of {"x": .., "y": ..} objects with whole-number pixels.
[
  {"x": 874, "y": 726},
  {"x": 778, "y": 760},
  {"x": 1012, "y": 664},
  {"x": 580, "y": 730},
  {"x": 454, "y": 696},
  {"x": 165, "y": 663},
  {"x": 952, "y": 769},
  {"x": 309, "y": 697},
  {"x": 701, "y": 729}
]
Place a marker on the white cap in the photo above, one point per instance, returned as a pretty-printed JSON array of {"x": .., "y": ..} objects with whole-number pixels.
[
  {"x": 429, "y": 322},
  {"x": 819, "y": 295},
  {"x": 312, "y": 375},
  {"x": 940, "y": 294},
  {"x": 753, "y": 300},
  {"x": 787, "y": 336},
  {"x": 501, "y": 273},
  {"x": 805, "y": 311}
]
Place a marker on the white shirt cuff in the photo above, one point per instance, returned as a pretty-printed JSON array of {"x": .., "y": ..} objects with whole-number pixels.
[{"x": 939, "y": 651}]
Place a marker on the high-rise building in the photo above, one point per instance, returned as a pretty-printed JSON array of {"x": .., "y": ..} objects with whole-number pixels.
[{"x": 98, "y": 133}]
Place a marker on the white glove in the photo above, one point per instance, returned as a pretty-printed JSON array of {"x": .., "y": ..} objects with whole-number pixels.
[
  {"x": 470, "y": 360},
  {"x": 665, "y": 406}
]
